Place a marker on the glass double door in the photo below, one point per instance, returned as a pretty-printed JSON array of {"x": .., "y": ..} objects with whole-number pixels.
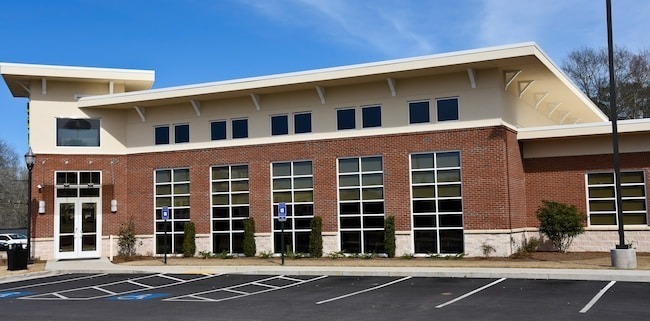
[{"x": 77, "y": 228}]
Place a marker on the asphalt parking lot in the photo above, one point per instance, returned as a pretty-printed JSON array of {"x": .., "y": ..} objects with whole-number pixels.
[{"x": 284, "y": 297}]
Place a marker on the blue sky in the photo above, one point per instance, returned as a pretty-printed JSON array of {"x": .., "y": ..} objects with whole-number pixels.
[{"x": 194, "y": 41}]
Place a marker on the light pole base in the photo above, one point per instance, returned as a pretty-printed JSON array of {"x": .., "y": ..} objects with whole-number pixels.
[{"x": 624, "y": 258}]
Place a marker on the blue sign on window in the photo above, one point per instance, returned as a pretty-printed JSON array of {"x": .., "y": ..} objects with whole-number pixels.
[
  {"x": 282, "y": 212},
  {"x": 165, "y": 213}
]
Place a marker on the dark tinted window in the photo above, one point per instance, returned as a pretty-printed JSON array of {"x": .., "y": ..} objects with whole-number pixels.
[
  {"x": 419, "y": 112},
  {"x": 240, "y": 128},
  {"x": 371, "y": 116},
  {"x": 345, "y": 119},
  {"x": 447, "y": 109},
  {"x": 162, "y": 135},
  {"x": 280, "y": 125},
  {"x": 182, "y": 133},
  {"x": 77, "y": 132},
  {"x": 218, "y": 130},
  {"x": 302, "y": 123}
]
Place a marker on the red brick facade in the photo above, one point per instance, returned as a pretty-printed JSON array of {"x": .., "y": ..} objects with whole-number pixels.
[
  {"x": 501, "y": 190},
  {"x": 562, "y": 179}
]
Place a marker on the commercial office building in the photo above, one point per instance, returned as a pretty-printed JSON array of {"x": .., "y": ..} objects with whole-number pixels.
[{"x": 461, "y": 148}]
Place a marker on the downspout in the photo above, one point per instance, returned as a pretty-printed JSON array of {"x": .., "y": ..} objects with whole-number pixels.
[{"x": 508, "y": 188}]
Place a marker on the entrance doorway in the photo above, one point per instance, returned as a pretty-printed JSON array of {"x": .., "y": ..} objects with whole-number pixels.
[{"x": 77, "y": 215}]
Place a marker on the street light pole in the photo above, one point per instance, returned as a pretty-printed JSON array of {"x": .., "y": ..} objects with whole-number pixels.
[
  {"x": 624, "y": 256},
  {"x": 29, "y": 161}
]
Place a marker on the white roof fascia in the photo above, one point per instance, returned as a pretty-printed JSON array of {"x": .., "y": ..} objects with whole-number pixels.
[
  {"x": 541, "y": 55},
  {"x": 586, "y": 129},
  {"x": 50, "y": 71},
  {"x": 398, "y": 65}
]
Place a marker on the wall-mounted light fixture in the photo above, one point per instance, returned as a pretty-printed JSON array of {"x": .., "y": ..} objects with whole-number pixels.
[
  {"x": 113, "y": 206},
  {"x": 41, "y": 207}
]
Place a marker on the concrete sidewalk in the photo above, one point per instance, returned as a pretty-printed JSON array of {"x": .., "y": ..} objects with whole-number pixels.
[{"x": 103, "y": 265}]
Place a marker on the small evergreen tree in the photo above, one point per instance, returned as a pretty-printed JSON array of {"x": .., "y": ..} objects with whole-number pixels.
[
  {"x": 561, "y": 223},
  {"x": 389, "y": 236},
  {"x": 249, "y": 237},
  {"x": 316, "y": 237},
  {"x": 126, "y": 238},
  {"x": 189, "y": 241}
]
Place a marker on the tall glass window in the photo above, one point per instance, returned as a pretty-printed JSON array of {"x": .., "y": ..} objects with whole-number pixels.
[
  {"x": 172, "y": 189},
  {"x": 437, "y": 203},
  {"x": 230, "y": 207},
  {"x": 293, "y": 184},
  {"x": 361, "y": 204},
  {"x": 601, "y": 198}
]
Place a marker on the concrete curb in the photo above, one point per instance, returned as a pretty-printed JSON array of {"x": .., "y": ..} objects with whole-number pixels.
[
  {"x": 26, "y": 276},
  {"x": 105, "y": 266}
]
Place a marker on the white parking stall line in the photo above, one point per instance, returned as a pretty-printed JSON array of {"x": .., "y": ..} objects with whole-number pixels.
[
  {"x": 198, "y": 297},
  {"x": 235, "y": 291},
  {"x": 597, "y": 297},
  {"x": 103, "y": 290},
  {"x": 288, "y": 278},
  {"x": 60, "y": 295},
  {"x": 469, "y": 293},
  {"x": 55, "y": 282},
  {"x": 364, "y": 291},
  {"x": 140, "y": 284},
  {"x": 171, "y": 277},
  {"x": 265, "y": 285}
]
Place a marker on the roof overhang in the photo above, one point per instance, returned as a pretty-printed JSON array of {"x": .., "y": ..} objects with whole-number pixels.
[
  {"x": 506, "y": 58},
  {"x": 19, "y": 76},
  {"x": 577, "y": 130}
]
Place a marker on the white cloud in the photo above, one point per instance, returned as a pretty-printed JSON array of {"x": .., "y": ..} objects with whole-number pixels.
[
  {"x": 410, "y": 27},
  {"x": 394, "y": 29}
]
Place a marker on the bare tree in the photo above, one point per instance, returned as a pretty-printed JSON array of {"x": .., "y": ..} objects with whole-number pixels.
[
  {"x": 13, "y": 189},
  {"x": 588, "y": 68}
]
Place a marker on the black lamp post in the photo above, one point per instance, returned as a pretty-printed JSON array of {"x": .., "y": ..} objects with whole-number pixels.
[
  {"x": 624, "y": 256},
  {"x": 29, "y": 161}
]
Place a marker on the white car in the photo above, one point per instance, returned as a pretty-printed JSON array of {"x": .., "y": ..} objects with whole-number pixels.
[{"x": 9, "y": 239}]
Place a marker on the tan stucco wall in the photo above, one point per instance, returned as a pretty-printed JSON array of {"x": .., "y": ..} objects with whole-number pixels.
[{"x": 588, "y": 145}]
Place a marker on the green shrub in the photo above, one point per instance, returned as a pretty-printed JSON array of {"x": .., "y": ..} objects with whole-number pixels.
[
  {"x": 389, "y": 236},
  {"x": 189, "y": 240},
  {"x": 336, "y": 255},
  {"x": 487, "y": 249},
  {"x": 224, "y": 255},
  {"x": 249, "y": 237},
  {"x": 561, "y": 223},
  {"x": 126, "y": 238},
  {"x": 527, "y": 246},
  {"x": 266, "y": 255},
  {"x": 316, "y": 237},
  {"x": 293, "y": 255},
  {"x": 205, "y": 255}
]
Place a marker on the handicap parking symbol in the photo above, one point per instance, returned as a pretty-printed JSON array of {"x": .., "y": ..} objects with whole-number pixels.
[
  {"x": 137, "y": 297},
  {"x": 5, "y": 295}
]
